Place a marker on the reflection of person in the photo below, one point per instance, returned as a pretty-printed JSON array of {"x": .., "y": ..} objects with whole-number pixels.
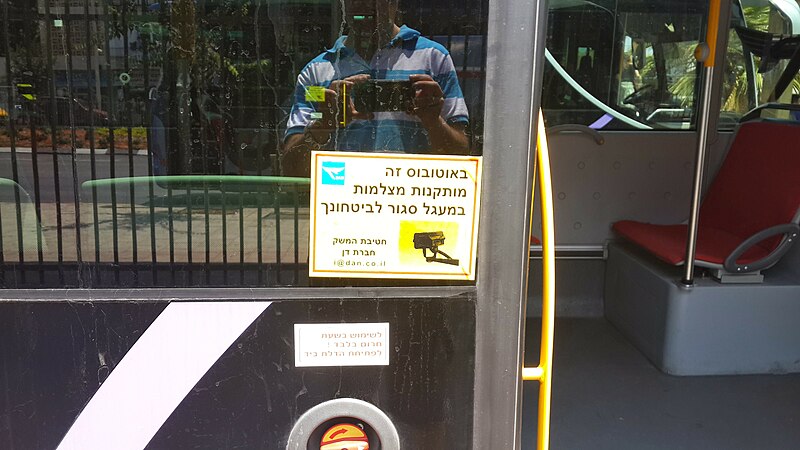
[
  {"x": 630, "y": 73},
  {"x": 585, "y": 74},
  {"x": 630, "y": 80},
  {"x": 376, "y": 48}
]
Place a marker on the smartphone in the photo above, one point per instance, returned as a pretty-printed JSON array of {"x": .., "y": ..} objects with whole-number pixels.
[{"x": 383, "y": 96}]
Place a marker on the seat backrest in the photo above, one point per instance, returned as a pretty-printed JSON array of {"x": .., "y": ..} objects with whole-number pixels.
[{"x": 758, "y": 185}]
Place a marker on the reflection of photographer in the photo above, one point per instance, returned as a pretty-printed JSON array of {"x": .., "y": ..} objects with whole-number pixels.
[{"x": 381, "y": 88}]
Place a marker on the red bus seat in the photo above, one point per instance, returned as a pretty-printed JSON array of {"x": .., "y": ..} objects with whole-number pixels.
[{"x": 750, "y": 215}]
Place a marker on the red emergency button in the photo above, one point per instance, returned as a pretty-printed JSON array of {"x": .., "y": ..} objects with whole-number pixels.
[{"x": 344, "y": 436}]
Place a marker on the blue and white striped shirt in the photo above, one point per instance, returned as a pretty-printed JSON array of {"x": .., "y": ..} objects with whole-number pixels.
[{"x": 408, "y": 53}]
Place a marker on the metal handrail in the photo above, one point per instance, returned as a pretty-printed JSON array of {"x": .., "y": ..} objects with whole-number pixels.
[
  {"x": 591, "y": 98},
  {"x": 706, "y": 53},
  {"x": 594, "y": 134},
  {"x": 543, "y": 373}
]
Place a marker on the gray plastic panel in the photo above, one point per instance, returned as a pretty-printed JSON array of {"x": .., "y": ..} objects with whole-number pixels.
[
  {"x": 644, "y": 176},
  {"x": 708, "y": 329}
]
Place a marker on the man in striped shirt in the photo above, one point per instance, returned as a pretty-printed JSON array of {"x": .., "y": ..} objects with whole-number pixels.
[{"x": 376, "y": 48}]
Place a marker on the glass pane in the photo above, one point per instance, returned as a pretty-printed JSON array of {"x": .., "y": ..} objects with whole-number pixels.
[
  {"x": 151, "y": 142},
  {"x": 750, "y": 81},
  {"x": 618, "y": 65}
]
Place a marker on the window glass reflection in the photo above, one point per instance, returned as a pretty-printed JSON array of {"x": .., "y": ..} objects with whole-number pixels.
[
  {"x": 748, "y": 80},
  {"x": 161, "y": 142},
  {"x": 619, "y": 65}
]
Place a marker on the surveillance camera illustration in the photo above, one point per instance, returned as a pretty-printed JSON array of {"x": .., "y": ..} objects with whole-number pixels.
[{"x": 432, "y": 240}]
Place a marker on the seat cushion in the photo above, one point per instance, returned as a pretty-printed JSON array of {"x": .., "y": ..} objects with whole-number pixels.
[{"x": 668, "y": 242}]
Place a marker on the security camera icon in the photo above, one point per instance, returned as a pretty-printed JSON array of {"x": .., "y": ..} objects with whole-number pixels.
[{"x": 432, "y": 240}]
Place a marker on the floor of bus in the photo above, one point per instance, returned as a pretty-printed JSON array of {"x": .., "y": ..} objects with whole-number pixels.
[{"x": 607, "y": 395}]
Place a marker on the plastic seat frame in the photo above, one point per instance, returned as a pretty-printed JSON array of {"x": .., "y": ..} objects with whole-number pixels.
[{"x": 731, "y": 268}]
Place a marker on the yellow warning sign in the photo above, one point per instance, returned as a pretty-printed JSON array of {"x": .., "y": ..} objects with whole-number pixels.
[{"x": 378, "y": 215}]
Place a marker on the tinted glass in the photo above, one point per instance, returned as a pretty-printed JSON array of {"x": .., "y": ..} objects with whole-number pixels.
[
  {"x": 750, "y": 80},
  {"x": 623, "y": 64},
  {"x": 144, "y": 143}
]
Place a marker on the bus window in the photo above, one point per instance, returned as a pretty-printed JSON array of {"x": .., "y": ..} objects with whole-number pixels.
[
  {"x": 747, "y": 82},
  {"x": 622, "y": 64},
  {"x": 153, "y": 133}
]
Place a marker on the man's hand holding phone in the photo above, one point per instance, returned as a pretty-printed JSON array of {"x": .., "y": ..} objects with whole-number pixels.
[
  {"x": 420, "y": 96},
  {"x": 337, "y": 110},
  {"x": 427, "y": 105},
  {"x": 428, "y": 99}
]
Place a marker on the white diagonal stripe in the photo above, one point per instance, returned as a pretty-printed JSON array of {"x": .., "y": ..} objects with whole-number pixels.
[{"x": 143, "y": 390}]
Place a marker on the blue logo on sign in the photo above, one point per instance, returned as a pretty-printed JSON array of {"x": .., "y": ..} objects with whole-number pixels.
[{"x": 333, "y": 173}]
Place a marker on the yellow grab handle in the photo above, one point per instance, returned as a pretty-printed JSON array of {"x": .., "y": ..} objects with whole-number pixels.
[
  {"x": 712, "y": 32},
  {"x": 543, "y": 373}
]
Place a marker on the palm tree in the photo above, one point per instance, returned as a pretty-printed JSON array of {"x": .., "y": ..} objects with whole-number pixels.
[
  {"x": 736, "y": 92},
  {"x": 735, "y": 88}
]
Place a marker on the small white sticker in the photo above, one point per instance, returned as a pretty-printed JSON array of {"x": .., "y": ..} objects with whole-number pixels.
[{"x": 341, "y": 344}]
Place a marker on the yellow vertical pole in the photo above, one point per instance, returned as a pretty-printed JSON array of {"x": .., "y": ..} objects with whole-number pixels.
[
  {"x": 544, "y": 372},
  {"x": 345, "y": 105},
  {"x": 712, "y": 32}
]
